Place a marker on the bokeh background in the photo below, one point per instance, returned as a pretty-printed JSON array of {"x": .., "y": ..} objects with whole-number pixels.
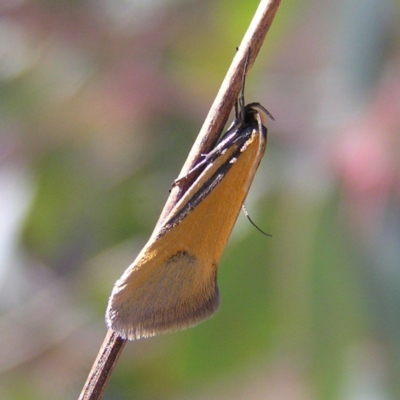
[{"x": 100, "y": 101}]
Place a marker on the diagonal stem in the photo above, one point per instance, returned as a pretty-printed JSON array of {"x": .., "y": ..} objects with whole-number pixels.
[{"x": 214, "y": 123}]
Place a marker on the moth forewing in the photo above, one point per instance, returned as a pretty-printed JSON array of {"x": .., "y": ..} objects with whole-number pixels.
[{"x": 172, "y": 284}]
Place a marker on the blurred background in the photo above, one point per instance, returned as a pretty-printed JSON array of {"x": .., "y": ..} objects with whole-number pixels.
[{"x": 100, "y": 102}]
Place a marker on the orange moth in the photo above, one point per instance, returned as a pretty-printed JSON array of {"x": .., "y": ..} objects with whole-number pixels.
[{"x": 172, "y": 284}]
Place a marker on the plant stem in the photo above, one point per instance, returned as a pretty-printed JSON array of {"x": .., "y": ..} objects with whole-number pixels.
[{"x": 214, "y": 123}]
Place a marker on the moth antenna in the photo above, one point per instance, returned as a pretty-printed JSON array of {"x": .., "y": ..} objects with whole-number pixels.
[
  {"x": 241, "y": 95},
  {"x": 236, "y": 110},
  {"x": 251, "y": 221}
]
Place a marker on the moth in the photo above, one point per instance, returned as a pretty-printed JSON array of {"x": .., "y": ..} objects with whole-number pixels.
[{"x": 172, "y": 284}]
